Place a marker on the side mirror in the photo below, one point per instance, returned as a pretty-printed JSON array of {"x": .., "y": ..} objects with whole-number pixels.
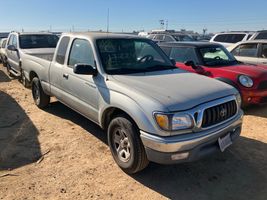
[
  {"x": 84, "y": 69},
  {"x": 11, "y": 48},
  {"x": 191, "y": 64},
  {"x": 173, "y": 62}
]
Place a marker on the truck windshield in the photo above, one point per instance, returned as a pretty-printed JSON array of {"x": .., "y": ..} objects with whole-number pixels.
[
  {"x": 125, "y": 56},
  {"x": 216, "y": 56},
  {"x": 183, "y": 38},
  {"x": 38, "y": 41}
]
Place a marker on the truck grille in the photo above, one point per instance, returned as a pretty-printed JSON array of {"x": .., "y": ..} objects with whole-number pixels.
[
  {"x": 219, "y": 113},
  {"x": 262, "y": 85}
]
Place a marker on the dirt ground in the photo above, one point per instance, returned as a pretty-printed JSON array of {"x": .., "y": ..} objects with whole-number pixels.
[{"x": 58, "y": 154}]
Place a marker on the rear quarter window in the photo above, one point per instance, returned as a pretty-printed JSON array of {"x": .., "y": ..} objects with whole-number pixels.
[
  {"x": 62, "y": 49},
  {"x": 219, "y": 38},
  {"x": 229, "y": 38},
  {"x": 261, "y": 36},
  {"x": 247, "y": 50}
]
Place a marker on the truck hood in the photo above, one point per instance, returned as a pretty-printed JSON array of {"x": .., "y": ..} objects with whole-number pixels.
[
  {"x": 176, "y": 89},
  {"x": 39, "y": 51},
  {"x": 254, "y": 71}
]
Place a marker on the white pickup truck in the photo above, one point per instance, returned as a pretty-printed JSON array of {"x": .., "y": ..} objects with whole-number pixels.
[
  {"x": 152, "y": 111},
  {"x": 39, "y": 44}
]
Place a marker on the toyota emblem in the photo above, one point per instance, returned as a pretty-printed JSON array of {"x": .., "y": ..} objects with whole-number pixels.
[{"x": 223, "y": 112}]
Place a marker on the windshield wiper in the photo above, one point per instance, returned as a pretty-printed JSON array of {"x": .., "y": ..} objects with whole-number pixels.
[{"x": 159, "y": 67}]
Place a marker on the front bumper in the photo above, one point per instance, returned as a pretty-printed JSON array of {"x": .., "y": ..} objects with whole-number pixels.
[
  {"x": 193, "y": 146},
  {"x": 254, "y": 96}
]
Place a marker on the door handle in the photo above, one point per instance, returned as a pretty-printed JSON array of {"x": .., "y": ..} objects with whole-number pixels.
[{"x": 66, "y": 76}]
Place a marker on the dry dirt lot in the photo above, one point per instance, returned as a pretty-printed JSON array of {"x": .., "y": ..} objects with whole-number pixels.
[{"x": 58, "y": 154}]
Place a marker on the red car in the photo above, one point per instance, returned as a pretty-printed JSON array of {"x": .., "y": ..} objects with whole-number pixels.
[{"x": 215, "y": 61}]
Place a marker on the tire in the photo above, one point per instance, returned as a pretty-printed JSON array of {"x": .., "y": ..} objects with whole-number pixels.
[
  {"x": 125, "y": 145},
  {"x": 40, "y": 98},
  {"x": 24, "y": 80},
  {"x": 4, "y": 64}
]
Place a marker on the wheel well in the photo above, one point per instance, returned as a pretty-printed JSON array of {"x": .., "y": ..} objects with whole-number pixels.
[
  {"x": 110, "y": 114},
  {"x": 32, "y": 75}
]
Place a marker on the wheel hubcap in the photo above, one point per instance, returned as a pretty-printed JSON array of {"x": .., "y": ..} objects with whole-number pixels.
[{"x": 122, "y": 145}]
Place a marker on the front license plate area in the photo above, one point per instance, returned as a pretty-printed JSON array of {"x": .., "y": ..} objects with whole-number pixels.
[{"x": 225, "y": 142}]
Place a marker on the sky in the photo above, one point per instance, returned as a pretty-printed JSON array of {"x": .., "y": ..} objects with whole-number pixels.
[{"x": 130, "y": 15}]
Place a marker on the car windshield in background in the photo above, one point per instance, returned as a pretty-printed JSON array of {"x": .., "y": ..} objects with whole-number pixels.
[
  {"x": 183, "y": 38},
  {"x": 216, "y": 56},
  {"x": 38, "y": 41},
  {"x": 125, "y": 56},
  {"x": 183, "y": 54}
]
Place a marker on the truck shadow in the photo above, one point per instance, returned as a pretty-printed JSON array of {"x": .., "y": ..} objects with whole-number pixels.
[
  {"x": 256, "y": 110},
  {"x": 60, "y": 110},
  {"x": 4, "y": 77},
  {"x": 19, "y": 143},
  {"x": 238, "y": 173}
]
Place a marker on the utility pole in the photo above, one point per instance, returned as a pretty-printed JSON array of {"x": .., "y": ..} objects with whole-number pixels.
[
  {"x": 167, "y": 24},
  {"x": 161, "y": 22},
  {"x": 205, "y": 31},
  {"x": 108, "y": 21}
]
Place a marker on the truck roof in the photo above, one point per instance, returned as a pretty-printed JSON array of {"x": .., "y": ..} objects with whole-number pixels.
[
  {"x": 190, "y": 44},
  {"x": 33, "y": 33},
  {"x": 100, "y": 35}
]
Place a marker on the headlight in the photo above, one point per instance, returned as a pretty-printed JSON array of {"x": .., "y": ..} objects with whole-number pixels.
[
  {"x": 238, "y": 99},
  {"x": 246, "y": 81},
  {"x": 174, "y": 122}
]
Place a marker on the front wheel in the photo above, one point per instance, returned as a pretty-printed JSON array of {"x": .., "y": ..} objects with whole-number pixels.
[
  {"x": 40, "y": 98},
  {"x": 126, "y": 146}
]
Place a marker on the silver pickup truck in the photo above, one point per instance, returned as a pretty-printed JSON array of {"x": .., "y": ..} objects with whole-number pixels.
[{"x": 152, "y": 111}]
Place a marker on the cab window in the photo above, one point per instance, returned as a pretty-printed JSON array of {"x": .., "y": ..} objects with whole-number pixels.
[
  {"x": 10, "y": 40},
  {"x": 264, "y": 51},
  {"x": 15, "y": 41},
  {"x": 81, "y": 52},
  {"x": 246, "y": 50}
]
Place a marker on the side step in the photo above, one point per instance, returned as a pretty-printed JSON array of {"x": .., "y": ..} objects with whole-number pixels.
[{"x": 17, "y": 74}]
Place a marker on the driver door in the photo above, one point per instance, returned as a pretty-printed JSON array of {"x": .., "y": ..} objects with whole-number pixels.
[
  {"x": 82, "y": 89},
  {"x": 13, "y": 56}
]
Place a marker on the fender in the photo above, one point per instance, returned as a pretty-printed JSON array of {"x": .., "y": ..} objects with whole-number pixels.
[
  {"x": 228, "y": 81},
  {"x": 141, "y": 117}
]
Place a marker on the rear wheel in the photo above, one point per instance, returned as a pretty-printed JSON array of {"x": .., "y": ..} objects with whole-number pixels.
[
  {"x": 40, "y": 98},
  {"x": 125, "y": 145}
]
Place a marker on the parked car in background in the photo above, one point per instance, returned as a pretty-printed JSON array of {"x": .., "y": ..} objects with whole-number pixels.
[
  {"x": 20, "y": 44},
  {"x": 252, "y": 51},
  {"x": 3, "y": 57},
  {"x": 169, "y": 37},
  {"x": 152, "y": 110},
  {"x": 229, "y": 38},
  {"x": 3, "y": 35},
  {"x": 214, "y": 61},
  {"x": 259, "y": 35}
]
